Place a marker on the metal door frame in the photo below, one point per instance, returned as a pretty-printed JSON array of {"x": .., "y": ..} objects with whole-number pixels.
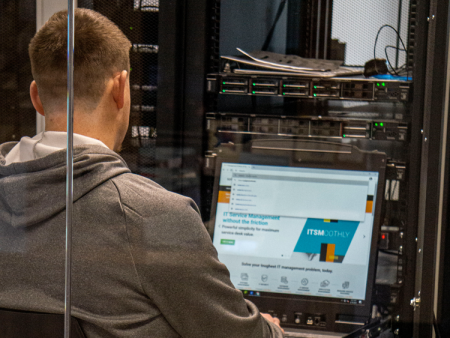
[
  {"x": 44, "y": 10},
  {"x": 432, "y": 173}
]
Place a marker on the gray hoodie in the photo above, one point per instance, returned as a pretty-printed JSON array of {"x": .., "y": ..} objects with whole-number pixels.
[{"x": 143, "y": 263}]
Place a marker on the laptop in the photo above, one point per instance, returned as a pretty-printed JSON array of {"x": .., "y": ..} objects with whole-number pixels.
[{"x": 300, "y": 238}]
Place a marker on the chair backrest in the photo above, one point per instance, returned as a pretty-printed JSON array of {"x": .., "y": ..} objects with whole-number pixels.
[{"x": 22, "y": 324}]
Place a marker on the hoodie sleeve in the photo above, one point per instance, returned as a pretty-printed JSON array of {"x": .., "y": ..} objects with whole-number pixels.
[{"x": 179, "y": 270}]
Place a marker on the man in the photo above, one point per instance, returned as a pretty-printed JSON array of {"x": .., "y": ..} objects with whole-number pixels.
[{"x": 143, "y": 264}]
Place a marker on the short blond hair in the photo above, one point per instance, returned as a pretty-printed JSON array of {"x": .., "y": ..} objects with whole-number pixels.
[{"x": 101, "y": 49}]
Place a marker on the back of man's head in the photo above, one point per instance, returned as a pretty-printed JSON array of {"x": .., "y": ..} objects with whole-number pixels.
[{"x": 101, "y": 49}]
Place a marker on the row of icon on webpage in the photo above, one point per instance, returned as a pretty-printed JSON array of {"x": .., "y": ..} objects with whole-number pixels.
[{"x": 325, "y": 283}]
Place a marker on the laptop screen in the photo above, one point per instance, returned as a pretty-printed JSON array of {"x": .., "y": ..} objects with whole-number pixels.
[{"x": 302, "y": 232}]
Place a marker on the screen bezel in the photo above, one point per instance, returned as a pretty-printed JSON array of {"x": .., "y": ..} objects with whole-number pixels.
[{"x": 351, "y": 160}]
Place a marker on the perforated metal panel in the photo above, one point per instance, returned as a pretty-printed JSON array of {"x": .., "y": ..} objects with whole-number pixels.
[
  {"x": 18, "y": 26},
  {"x": 357, "y": 22},
  {"x": 147, "y": 5},
  {"x": 138, "y": 19}
]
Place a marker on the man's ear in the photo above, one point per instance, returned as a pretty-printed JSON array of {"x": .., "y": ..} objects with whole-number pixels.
[
  {"x": 36, "y": 99},
  {"x": 120, "y": 82}
]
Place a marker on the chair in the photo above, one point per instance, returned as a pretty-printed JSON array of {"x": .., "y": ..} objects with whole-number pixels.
[{"x": 23, "y": 324}]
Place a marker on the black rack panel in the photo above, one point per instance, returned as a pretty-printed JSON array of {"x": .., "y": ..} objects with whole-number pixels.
[{"x": 18, "y": 26}]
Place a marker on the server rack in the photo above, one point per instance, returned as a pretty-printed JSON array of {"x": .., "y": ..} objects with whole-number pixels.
[
  {"x": 139, "y": 21},
  {"x": 413, "y": 139},
  {"x": 155, "y": 145},
  {"x": 193, "y": 114}
]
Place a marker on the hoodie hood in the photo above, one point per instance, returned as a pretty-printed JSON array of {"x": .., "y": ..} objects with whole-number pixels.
[
  {"x": 44, "y": 144},
  {"x": 33, "y": 191}
]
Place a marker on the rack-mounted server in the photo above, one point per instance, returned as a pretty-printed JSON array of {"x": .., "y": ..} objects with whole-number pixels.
[
  {"x": 339, "y": 88},
  {"x": 307, "y": 126}
]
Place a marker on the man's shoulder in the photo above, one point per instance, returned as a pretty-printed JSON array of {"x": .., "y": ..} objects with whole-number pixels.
[
  {"x": 145, "y": 196},
  {"x": 155, "y": 214}
]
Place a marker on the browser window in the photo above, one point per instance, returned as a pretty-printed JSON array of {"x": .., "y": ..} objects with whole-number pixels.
[{"x": 302, "y": 231}]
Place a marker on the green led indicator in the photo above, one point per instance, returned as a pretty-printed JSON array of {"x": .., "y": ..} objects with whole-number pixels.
[
  {"x": 315, "y": 94},
  {"x": 254, "y": 84},
  {"x": 131, "y": 28},
  {"x": 343, "y": 135},
  {"x": 376, "y": 124},
  {"x": 284, "y": 93},
  {"x": 284, "y": 86},
  {"x": 254, "y": 92},
  {"x": 381, "y": 124},
  {"x": 378, "y": 84},
  {"x": 315, "y": 87},
  {"x": 223, "y": 90},
  {"x": 383, "y": 84},
  {"x": 224, "y": 82}
]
